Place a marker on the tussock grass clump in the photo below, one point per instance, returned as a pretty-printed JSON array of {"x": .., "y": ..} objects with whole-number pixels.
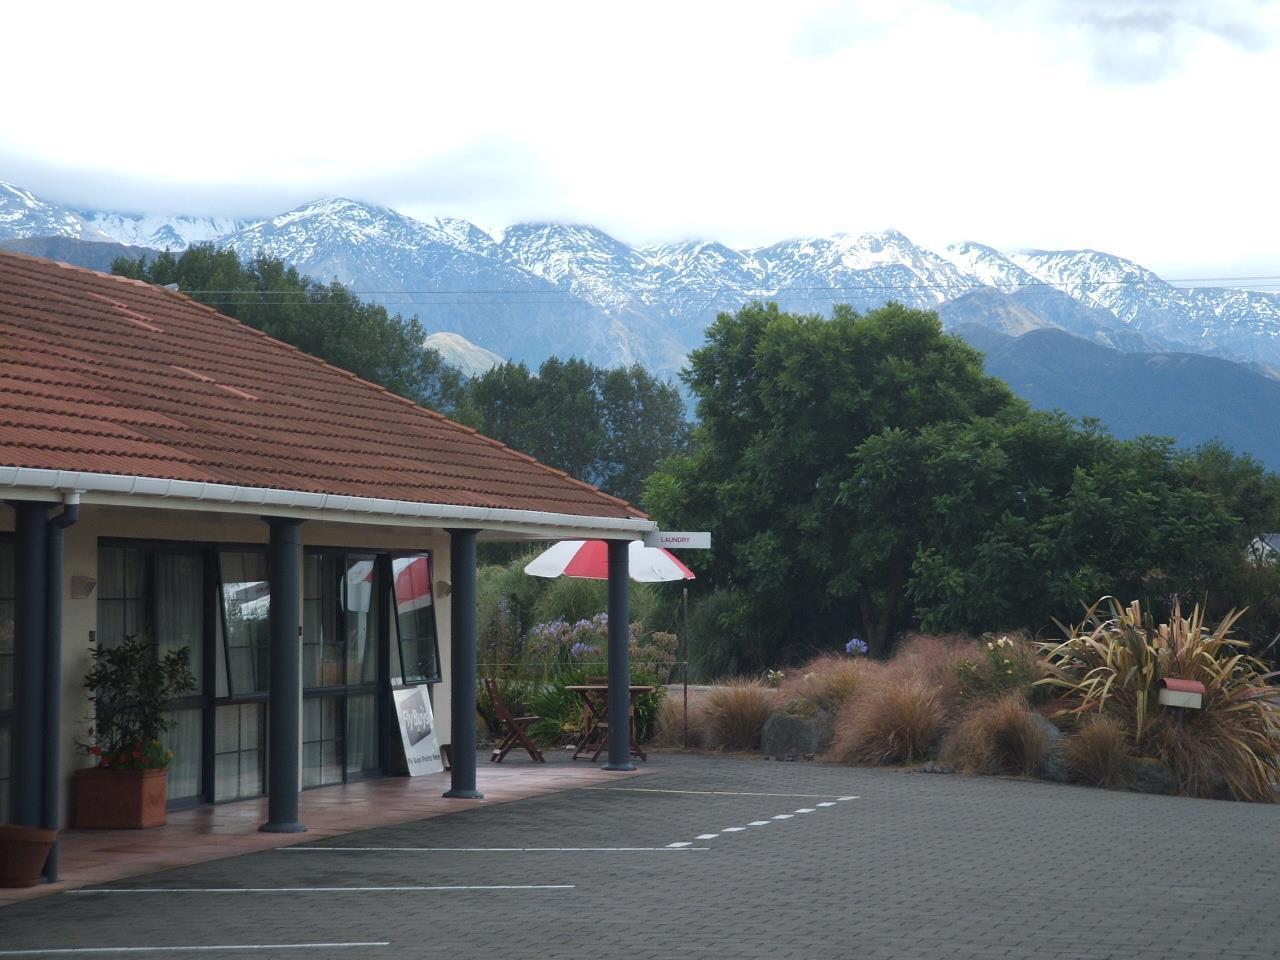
[
  {"x": 827, "y": 681},
  {"x": 1096, "y": 751},
  {"x": 1002, "y": 736},
  {"x": 669, "y": 725},
  {"x": 734, "y": 714},
  {"x": 893, "y": 721},
  {"x": 936, "y": 659}
]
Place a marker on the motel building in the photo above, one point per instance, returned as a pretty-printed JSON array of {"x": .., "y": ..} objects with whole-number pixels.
[{"x": 309, "y": 537}]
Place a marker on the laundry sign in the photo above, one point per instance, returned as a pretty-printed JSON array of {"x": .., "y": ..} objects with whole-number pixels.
[
  {"x": 678, "y": 540},
  {"x": 418, "y": 731}
]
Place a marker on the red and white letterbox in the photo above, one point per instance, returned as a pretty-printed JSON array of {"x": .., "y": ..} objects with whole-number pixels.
[{"x": 1181, "y": 693}]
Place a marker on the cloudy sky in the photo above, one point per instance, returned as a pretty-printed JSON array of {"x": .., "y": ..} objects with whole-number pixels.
[{"x": 1141, "y": 127}]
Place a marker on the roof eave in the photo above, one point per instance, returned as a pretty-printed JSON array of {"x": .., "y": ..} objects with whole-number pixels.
[{"x": 31, "y": 483}]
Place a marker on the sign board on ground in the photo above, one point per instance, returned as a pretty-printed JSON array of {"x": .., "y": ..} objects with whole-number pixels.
[
  {"x": 675, "y": 540},
  {"x": 418, "y": 731}
]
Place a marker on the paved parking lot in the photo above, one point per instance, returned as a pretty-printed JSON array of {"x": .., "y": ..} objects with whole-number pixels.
[{"x": 774, "y": 860}]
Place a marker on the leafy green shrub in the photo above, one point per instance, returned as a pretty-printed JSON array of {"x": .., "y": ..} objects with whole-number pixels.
[
  {"x": 724, "y": 639},
  {"x": 892, "y": 721},
  {"x": 734, "y": 715},
  {"x": 561, "y": 712},
  {"x": 130, "y": 688},
  {"x": 1000, "y": 736},
  {"x": 1096, "y": 751},
  {"x": 1113, "y": 663}
]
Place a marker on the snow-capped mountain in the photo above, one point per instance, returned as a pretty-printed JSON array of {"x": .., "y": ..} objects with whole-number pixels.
[
  {"x": 161, "y": 232},
  {"x": 539, "y": 289},
  {"x": 24, "y": 215},
  {"x": 455, "y": 278},
  {"x": 460, "y": 353}
]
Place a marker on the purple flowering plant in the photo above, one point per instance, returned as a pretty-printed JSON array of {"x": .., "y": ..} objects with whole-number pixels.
[{"x": 856, "y": 647}]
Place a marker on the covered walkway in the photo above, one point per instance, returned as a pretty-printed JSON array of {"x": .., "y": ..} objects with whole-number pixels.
[{"x": 211, "y": 832}]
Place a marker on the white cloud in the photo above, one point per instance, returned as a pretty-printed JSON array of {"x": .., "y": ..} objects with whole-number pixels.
[{"x": 1136, "y": 126}]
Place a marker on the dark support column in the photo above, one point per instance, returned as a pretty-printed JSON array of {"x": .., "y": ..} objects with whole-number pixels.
[
  {"x": 51, "y": 805},
  {"x": 619, "y": 657},
  {"x": 462, "y": 664},
  {"x": 284, "y": 711},
  {"x": 31, "y": 527}
]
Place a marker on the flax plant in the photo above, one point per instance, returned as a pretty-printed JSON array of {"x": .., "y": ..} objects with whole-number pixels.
[{"x": 1112, "y": 663}]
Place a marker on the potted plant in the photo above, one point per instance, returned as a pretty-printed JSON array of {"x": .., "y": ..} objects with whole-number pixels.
[
  {"x": 129, "y": 687},
  {"x": 23, "y": 851}
]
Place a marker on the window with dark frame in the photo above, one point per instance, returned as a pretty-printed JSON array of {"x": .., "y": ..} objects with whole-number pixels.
[
  {"x": 342, "y": 634},
  {"x": 414, "y": 624},
  {"x": 157, "y": 591}
]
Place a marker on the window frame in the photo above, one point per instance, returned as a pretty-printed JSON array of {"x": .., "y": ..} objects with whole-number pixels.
[{"x": 394, "y": 611}]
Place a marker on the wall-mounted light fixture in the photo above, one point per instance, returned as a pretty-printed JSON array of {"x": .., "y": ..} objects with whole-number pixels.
[{"x": 82, "y": 587}]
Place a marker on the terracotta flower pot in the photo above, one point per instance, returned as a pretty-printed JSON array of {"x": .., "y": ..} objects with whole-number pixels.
[
  {"x": 23, "y": 851},
  {"x": 119, "y": 799}
]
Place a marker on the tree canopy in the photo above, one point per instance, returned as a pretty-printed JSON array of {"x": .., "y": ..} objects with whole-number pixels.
[
  {"x": 861, "y": 474},
  {"x": 608, "y": 427},
  {"x": 327, "y": 321}
]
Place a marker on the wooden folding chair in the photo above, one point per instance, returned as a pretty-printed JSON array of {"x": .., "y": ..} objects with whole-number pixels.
[{"x": 513, "y": 726}]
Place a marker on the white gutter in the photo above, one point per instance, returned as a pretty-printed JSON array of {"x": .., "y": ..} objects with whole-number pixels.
[{"x": 117, "y": 490}]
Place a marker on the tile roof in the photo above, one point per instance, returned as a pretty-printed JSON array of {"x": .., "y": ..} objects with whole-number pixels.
[{"x": 108, "y": 375}]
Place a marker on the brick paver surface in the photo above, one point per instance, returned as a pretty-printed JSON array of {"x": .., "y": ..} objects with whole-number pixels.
[{"x": 919, "y": 866}]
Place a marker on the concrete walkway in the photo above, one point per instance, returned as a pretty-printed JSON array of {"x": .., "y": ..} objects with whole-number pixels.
[{"x": 211, "y": 832}]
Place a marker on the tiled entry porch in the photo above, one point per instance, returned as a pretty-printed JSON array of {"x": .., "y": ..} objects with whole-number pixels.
[{"x": 226, "y": 830}]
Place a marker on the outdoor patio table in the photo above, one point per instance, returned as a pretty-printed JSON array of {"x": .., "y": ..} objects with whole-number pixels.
[{"x": 595, "y": 700}]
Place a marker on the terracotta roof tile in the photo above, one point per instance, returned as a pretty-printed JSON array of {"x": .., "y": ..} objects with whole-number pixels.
[{"x": 108, "y": 375}]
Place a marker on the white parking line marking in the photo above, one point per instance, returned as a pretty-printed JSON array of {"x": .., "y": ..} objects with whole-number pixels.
[
  {"x": 470, "y": 849},
  {"x": 783, "y": 816},
  {"x": 706, "y": 836},
  {"x": 733, "y": 829},
  {"x": 724, "y": 793},
  {"x": 828, "y": 803},
  {"x": 758, "y": 823},
  {"x": 682, "y": 843},
  {"x": 500, "y": 886},
  {"x": 63, "y": 951},
  {"x": 806, "y": 810}
]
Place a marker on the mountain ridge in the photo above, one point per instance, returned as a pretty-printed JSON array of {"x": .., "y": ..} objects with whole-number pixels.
[{"x": 534, "y": 289}]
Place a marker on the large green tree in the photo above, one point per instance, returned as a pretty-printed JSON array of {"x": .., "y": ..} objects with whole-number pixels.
[
  {"x": 862, "y": 474},
  {"x": 608, "y": 427},
  {"x": 783, "y": 401},
  {"x": 327, "y": 321}
]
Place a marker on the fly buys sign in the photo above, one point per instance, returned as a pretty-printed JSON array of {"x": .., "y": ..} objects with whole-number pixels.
[{"x": 418, "y": 731}]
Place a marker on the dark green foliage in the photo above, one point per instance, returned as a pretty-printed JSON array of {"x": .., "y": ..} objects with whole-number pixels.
[
  {"x": 325, "y": 321},
  {"x": 129, "y": 688},
  {"x": 862, "y": 475},
  {"x": 725, "y": 640},
  {"x": 608, "y": 427},
  {"x": 783, "y": 400}
]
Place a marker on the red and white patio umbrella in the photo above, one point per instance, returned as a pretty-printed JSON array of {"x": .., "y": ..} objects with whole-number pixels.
[{"x": 589, "y": 560}]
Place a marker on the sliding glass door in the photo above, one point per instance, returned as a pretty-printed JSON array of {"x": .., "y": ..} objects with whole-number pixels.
[{"x": 343, "y": 639}]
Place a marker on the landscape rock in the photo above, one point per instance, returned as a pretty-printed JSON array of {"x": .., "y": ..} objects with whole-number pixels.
[
  {"x": 1148, "y": 775},
  {"x": 1053, "y": 766},
  {"x": 797, "y": 730}
]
